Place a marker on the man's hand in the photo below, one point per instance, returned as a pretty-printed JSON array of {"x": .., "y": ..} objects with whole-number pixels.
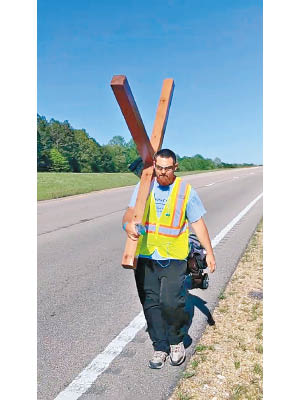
[
  {"x": 211, "y": 263},
  {"x": 130, "y": 226},
  {"x": 131, "y": 231}
]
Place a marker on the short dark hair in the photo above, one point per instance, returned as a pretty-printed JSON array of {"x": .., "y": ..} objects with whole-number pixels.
[{"x": 165, "y": 153}]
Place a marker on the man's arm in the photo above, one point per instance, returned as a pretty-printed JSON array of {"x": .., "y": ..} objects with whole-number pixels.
[
  {"x": 129, "y": 225},
  {"x": 203, "y": 236}
]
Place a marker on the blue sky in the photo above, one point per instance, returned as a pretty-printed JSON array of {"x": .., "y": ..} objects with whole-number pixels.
[{"x": 211, "y": 48}]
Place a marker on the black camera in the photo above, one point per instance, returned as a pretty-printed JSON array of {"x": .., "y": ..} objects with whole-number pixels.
[
  {"x": 199, "y": 278},
  {"x": 196, "y": 264}
]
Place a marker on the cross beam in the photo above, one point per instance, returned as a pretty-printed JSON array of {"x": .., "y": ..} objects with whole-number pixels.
[
  {"x": 122, "y": 92},
  {"x": 145, "y": 147}
]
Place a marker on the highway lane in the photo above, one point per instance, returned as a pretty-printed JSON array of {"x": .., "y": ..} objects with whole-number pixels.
[{"x": 85, "y": 298}]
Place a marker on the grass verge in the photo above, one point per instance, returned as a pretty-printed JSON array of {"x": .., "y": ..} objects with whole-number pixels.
[
  {"x": 52, "y": 185},
  {"x": 228, "y": 362}
]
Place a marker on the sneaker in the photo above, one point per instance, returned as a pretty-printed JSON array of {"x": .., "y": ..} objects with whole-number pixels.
[
  {"x": 177, "y": 354},
  {"x": 158, "y": 359}
]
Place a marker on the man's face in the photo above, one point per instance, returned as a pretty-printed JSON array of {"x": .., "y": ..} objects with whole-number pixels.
[{"x": 164, "y": 170}]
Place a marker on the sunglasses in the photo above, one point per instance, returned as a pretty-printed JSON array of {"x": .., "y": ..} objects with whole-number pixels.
[{"x": 159, "y": 168}]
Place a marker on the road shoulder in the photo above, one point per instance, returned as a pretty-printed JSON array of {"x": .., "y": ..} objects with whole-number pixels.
[{"x": 227, "y": 363}]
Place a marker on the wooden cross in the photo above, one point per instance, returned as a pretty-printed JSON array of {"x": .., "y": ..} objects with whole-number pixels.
[{"x": 145, "y": 147}]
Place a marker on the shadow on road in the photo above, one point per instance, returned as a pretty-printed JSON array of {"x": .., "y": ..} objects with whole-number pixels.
[{"x": 193, "y": 301}]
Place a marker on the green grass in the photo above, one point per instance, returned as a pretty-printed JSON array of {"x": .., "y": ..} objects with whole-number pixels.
[
  {"x": 239, "y": 392},
  {"x": 194, "y": 364},
  {"x": 201, "y": 347},
  {"x": 222, "y": 295},
  {"x": 183, "y": 396},
  {"x": 259, "y": 348},
  {"x": 223, "y": 310},
  {"x": 254, "y": 311},
  {"x": 188, "y": 374},
  {"x": 259, "y": 333},
  {"x": 52, "y": 185},
  {"x": 258, "y": 369}
]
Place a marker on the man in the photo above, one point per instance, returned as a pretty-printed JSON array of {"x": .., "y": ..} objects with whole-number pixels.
[{"x": 163, "y": 250}]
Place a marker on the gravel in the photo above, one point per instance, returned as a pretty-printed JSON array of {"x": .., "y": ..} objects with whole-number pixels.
[{"x": 227, "y": 363}]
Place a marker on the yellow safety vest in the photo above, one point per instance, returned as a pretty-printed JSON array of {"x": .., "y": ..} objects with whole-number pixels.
[{"x": 169, "y": 233}]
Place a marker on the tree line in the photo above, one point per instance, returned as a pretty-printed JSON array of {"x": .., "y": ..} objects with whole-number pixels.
[{"x": 61, "y": 148}]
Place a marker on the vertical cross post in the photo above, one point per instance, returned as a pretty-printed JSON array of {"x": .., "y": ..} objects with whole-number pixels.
[{"x": 145, "y": 147}]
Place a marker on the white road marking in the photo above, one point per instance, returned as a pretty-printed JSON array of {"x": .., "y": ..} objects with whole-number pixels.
[
  {"x": 235, "y": 220},
  {"x": 100, "y": 363},
  {"x": 210, "y": 184},
  {"x": 236, "y": 177}
]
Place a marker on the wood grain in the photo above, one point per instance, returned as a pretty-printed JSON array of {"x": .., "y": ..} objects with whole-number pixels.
[
  {"x": 129, "y": 260},
  {"x": 125, "y": 99}
]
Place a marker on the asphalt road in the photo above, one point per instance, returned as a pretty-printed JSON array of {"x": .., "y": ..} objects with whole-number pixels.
[{"x": 85, "y": 298}]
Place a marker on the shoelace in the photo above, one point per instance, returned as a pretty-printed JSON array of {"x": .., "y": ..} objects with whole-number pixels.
[
  {"x": 159, "y": 354},
  {"x": 176, "y": 348}
]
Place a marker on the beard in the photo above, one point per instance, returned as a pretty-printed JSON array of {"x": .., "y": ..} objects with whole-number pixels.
[{"x": 165, "y": 180}]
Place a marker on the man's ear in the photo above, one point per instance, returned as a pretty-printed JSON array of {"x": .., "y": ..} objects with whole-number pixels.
[{"x": 176, "y": 166}]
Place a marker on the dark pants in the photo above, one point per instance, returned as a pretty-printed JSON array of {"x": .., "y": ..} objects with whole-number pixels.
[{"x": 162, "y": 294}]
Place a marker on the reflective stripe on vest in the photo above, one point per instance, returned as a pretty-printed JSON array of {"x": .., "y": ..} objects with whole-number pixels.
[
  {"x": 150, "y": 228},
  {"x": 179, "y": 203},
  {"x": 173, "y": 232},
  {"x": 168, "y": 234}
]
